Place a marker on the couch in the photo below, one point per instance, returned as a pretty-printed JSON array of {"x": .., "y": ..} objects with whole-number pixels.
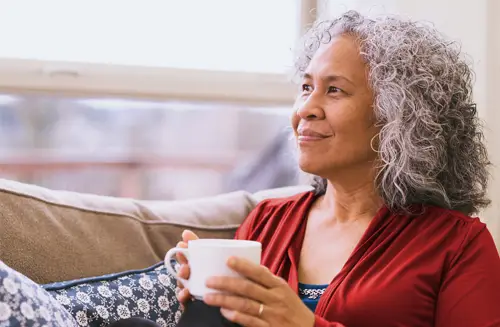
[{"x": 51, "y": 236}]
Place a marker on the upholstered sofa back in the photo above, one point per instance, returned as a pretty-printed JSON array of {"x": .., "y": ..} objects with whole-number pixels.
[{"x": 56, "y": 235}]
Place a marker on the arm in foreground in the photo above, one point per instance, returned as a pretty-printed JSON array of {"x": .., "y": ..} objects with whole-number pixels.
[
  {"x": 260, "y": 299},
  {"x": 247, "y": 231},
  {"x": 470, "y": 292}
]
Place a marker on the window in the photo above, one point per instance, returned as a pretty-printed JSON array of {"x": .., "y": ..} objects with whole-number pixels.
[
  {"x": 152, "y": 99},
  {"x": 144, "y": 149},
  {"x": 231, "y": 35},
  {"x": 241, "y": 49}
]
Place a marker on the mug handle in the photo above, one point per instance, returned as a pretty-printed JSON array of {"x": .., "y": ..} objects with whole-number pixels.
[{"x": 168, "y": 264}]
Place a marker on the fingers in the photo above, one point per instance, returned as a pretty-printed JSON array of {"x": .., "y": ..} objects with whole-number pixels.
[
  {"x": 184, "y": 273},
  {"x": 243, "y": 319},
  {"x": 240, "y": 286},
  {"x": 232, "y": 302},
  {"x": 258, "y": 273},
  {"x": 184, "y": 296},
  {"x": 188, "y": 235},
  {"x": 181, "y": 258}
]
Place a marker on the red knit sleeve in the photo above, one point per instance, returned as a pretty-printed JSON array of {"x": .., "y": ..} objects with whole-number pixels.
[{"x": 470, "y": 292}]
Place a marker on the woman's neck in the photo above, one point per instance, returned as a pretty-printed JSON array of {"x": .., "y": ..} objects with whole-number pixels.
[{"x": 347, "y": 203}]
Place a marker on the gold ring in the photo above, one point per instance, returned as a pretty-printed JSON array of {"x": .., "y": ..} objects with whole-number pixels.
[{"x": 261, "y": 309}]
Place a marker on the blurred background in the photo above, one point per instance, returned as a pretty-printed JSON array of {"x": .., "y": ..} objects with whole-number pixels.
[{"x": 171, "y": 99}]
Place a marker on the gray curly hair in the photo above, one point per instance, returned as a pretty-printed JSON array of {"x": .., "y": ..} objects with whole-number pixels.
[{"x": 430, "y": 146}]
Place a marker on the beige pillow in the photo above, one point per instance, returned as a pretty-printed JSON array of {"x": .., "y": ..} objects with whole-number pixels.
[{"x": 55, "y": 235}]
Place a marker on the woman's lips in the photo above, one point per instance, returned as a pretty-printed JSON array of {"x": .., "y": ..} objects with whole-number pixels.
[
  {"x": 308, "y": 138},
  {"x": 307, "y": 135}
]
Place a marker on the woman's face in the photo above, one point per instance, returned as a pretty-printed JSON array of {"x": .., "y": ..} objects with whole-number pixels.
[{"x": 333, "y": 118}]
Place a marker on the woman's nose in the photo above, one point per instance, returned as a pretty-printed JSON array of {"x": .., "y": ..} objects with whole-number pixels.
[{"x": 311, "y": 109}]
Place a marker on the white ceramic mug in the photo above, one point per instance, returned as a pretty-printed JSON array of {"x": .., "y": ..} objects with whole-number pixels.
[{"x": 208, "y": 257}]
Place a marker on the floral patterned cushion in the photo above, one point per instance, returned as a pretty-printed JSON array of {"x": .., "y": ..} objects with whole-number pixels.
[
  {"x": 100, "y": 301},
  {"x": 25, "y": 303}
]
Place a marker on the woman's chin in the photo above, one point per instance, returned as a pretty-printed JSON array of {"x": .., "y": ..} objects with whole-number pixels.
[{"x": 311, "y": 166}]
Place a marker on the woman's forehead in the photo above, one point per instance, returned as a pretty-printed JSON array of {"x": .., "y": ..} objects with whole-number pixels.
[{"x": 341, "y": 57}]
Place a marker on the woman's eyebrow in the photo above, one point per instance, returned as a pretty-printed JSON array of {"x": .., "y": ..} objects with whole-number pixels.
[{"x": 329, "y": 78}]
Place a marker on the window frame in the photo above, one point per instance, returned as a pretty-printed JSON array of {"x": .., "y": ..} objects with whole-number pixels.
[{"x": 88, "y": 79}]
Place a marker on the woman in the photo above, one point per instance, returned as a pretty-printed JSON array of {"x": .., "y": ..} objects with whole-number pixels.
[{"x": 384, "y": 117}]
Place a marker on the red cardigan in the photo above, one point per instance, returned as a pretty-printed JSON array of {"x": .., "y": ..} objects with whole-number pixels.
[{"x": 440, "y": 268}]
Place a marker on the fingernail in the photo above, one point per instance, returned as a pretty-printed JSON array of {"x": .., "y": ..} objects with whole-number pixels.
[
  {"x": 231, "y": 262},
  {"x": 210, "y": 281},
  {"x": 227, "y": 313}
]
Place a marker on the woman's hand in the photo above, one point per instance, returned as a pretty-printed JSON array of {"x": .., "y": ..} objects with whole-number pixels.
[
  {"x": 183, "y": 295},
  {"x": 258, "y": 300}
]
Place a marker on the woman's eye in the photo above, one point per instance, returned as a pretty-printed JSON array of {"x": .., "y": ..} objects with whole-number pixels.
[
  {"x": 333, "y": 89},
  {"x": 306, "y": 88}
]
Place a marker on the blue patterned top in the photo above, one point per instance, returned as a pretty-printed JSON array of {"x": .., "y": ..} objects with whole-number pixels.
[{"x": 311, "y": 293}]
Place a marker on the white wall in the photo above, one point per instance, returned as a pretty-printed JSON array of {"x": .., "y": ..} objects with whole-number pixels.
[
  {"x": 473, "y": 23},
  {"x": 492, "y": 113}
]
